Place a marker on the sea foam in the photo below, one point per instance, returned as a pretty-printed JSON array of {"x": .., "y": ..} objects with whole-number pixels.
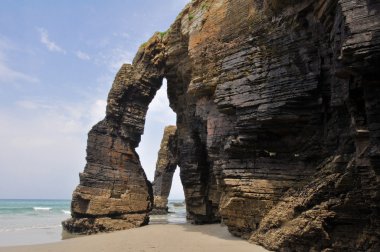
[
  {"x": 42, "y": 208},
  {"x": 66, "y": 212}
]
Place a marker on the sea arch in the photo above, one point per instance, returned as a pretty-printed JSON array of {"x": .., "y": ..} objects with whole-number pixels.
[{"x": 114, "y": 192}]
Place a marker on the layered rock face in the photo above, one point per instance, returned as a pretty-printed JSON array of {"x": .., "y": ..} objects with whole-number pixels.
[
  {"x": 278, "y": 119},
  {"x": 165, "y": 168},
  {"x": 114, "y": 192}
]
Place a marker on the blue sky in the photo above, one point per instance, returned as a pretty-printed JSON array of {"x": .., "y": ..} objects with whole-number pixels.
[{"x": 57, "y": 63}]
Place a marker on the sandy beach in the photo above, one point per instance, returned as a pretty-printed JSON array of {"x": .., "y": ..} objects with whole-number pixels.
[{"x": 169, "y": 238}]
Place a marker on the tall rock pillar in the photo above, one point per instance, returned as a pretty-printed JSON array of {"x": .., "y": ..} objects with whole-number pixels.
[{"x": 165, "y": 168}]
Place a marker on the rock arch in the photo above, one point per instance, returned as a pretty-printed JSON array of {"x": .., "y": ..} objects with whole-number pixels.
[
  {"x": 114, "y": 192},
  {"x": 277, "y": 124}
]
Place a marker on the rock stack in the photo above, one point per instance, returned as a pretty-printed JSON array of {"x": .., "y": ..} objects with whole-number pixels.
[{"x": 165, "y": 168}]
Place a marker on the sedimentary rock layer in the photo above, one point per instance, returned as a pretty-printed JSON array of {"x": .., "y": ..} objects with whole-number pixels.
[
  {"x": 278, "y": 114},
  {"x": 165, "y": 168},
  {"x": 114, "y": 192}
]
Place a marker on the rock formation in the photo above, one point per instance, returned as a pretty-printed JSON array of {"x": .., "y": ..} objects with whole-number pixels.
[
  {"x": 114, "y": 192},
  {"x": 165, "y": 168},
  {"x": 278, "y": 122}
]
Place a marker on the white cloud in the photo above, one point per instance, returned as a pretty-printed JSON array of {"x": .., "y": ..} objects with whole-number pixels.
[
  {"x": 37, "y": 159},
  {"x": 69, "y": 118},
  {"x": 82, "y": 55},
  {"x": 7, "y": 74},
  {"x": 115, "y": 58},
  {"x": 4, "y": 44},
  {"x": 43, "y": 146},
  {"x": 51, "y": 46},
  {"x": 31, "y": 104}
]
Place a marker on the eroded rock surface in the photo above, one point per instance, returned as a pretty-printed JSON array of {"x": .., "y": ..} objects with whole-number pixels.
[
  {"x": 165, "y": 168},
  {"x": 114, "y": 192},
  {"x": 278, "y": 114}
]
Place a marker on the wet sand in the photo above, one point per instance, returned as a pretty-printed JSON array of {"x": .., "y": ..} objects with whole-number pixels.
[{"x": 168, "y": 238}]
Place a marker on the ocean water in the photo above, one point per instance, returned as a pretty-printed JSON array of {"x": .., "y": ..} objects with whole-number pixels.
[
  {"x": 32, "y": 221},
  {"x": 176, "y": 215},
  {"x": 25, "y": 222}
]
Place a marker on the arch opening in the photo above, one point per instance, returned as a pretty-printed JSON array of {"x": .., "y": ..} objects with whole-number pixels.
[
  {"x": 158, "y": 157},
  {"x": 158, "y": 116}
]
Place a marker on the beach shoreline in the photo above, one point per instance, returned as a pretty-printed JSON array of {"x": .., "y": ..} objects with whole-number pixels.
[{"x": 156, "y": 237}]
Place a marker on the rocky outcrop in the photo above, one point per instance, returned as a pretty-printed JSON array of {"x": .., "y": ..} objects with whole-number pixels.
[
  {"x": 278, "y": 114},
  {"x": 114, "y": 192},
  {"x": 165, "y": 168}
]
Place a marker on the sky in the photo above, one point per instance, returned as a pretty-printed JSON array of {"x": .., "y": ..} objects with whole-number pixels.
[{"x": 58, "y": 60}]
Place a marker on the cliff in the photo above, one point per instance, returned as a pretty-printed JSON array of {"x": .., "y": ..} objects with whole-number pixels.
[{"x": 278, "y": 114}]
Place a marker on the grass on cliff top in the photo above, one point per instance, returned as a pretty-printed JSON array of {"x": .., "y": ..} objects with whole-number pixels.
[
  {"x": 144, "y": 44},
  {"x": 160, "y": 35},
  {"x": 163, "y": 34}
]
